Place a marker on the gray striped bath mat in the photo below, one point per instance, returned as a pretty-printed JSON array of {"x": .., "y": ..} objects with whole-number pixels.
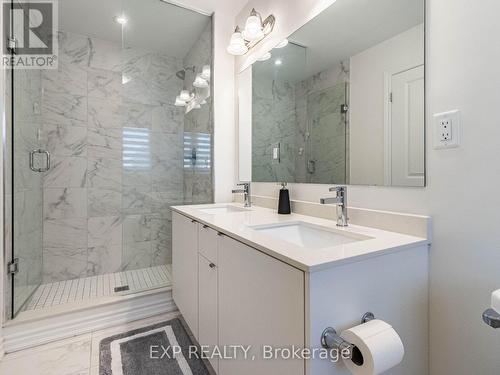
[{"x": 150, "y": 351}]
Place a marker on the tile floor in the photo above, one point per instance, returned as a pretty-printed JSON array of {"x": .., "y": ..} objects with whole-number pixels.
[{"x": 78, "y": 355}]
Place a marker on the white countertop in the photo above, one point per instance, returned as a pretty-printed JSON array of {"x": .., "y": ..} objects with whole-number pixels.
[{"x": 237, "y": 225}]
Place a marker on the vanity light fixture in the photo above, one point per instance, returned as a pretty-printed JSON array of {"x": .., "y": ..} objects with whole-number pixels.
[
  {"x": 255, "y": 30},
  {"x": 195, "y": 98},
  {"x": 237, "y": 45},
  {"x": 205, "y": 72},
  {"x": 185, "y": 95},
  {"x": 200, "y": 82},
  {"x": 283, "y": 43},
  {"x": 265, "y": 56},
  {"x": 179, "y": 102},
  {"x": 121, "y": 20}
]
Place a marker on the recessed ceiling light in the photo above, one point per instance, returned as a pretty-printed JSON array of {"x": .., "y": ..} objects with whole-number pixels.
[
  {"x": 122, "y": 20},
  {"x": 278, "y": 62}
]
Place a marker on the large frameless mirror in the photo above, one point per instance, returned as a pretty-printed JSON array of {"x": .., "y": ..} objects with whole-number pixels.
[{"x": 343, "y": 101}]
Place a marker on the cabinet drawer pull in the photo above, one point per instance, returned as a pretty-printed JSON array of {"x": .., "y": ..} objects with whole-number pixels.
[
  {"x": 211, "y": 265},
  {"x": 205, "y": 226}
]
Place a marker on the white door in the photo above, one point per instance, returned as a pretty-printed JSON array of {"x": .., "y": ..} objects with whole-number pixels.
[{"x": 407, "y": 128}]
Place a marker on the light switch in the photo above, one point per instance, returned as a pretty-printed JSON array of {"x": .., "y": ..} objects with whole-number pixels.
[
  {"x": 447, "y": 130},
  {"x": 276, "y": 152}
]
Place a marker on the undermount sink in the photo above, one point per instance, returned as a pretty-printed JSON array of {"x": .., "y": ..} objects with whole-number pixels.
[
  {"x": 308, "y": 235},
  {"x": 222, "y": 210}
]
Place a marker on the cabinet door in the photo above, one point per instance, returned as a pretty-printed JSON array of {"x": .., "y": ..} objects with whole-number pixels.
[
  {"x": 185, "y": 268},
  {"x": 261, "y": 302},
  {"x": 208, "y": 326}
]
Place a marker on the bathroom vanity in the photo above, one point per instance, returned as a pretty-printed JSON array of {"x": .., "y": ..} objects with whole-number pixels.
[{"x": 252, "y": 277}]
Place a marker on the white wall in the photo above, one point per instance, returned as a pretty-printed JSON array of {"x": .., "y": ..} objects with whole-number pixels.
[
  {"x": 463, "y": 59},
  {"x": 367, "y": 100}
]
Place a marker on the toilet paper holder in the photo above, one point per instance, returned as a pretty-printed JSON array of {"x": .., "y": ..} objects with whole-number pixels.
[{"x": 330, "y": 339}]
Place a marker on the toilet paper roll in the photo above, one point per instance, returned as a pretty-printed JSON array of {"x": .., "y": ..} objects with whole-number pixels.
[{"x": 378, "y": 348}]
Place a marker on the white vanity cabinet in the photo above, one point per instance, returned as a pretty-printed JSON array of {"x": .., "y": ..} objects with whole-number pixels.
[
  {"x": 185, "y": 269},
  {"x": 244, "y": 297},
  {"x": 261, "y": 302}
]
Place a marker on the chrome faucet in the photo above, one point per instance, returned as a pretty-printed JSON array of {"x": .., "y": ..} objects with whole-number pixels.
[
  {"x": 341, "y": 201},
  {"x": 246, "y": 192}
]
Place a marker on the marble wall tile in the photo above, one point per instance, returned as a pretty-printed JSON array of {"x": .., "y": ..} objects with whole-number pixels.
[
  {"x": 67, "y": 79},
  {"x": 136, "y": 115},
  {"x": 167, "y": 118},
  {"x": 105, "y": 55},
  {"x": 137, "y": 200},
  {"x": 65, "y": 203},
  {"x": 105, "y": 230},
  {"x": 104, "y": 84},
  {"x": 58, "y": 266},
  {"x": 64, "y": 109},
  {"x": 104, "y": 113},
  {"x": 69, "y": 235},
  {"x": 135, "y": 79},
  {"x": 65, "y": 140},
  {"x": 66, "y": 171},
  {"x": 137, "y": 177},
  {"x": 104, "y": 202},
  {"x": 136, "y": 255},
  {"x": 137, "y": 228},
  {"x": 166, "y": 146},
  {"x": 104, "y": 173},
  {"x": 104, "y": 259},
  {"x": 74, "y": 49},
  {"x": 104, "y": 143},
  {"x": 163, "y": 82}
]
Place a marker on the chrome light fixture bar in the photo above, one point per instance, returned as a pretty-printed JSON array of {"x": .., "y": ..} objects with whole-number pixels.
[{"x": 254, "y": 32}]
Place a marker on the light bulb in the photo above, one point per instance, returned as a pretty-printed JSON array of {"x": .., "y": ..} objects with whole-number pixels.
[
  {"x": 253, "y": 28},
  {"x": 278, "y": 62},
  {"x": 205, "y": 72},
  {"x": 185, "y": 96},
  {"x": 282, "y": 44},
  {"x": 237, "y": 45},
  {"x": 179, "y": 102},
  {"x": 122, "y": 20},
  {"x": 200, "y": 82},
  {"x": 265, "y": 56}
]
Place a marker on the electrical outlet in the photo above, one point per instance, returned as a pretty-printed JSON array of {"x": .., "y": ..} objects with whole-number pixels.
[{"x": 447, "y": 130}]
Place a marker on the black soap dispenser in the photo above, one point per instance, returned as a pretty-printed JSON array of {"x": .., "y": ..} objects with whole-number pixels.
[{"x": 284, "y": 201}]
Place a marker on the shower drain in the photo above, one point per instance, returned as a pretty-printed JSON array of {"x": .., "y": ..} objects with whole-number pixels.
[{"x": 121, "y": 288}]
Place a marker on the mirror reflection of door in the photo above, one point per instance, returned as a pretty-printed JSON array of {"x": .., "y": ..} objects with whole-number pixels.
[{"x": 405, "y": 166}]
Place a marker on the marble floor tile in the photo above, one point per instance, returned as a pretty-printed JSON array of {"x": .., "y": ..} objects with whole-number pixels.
[{"x": 64, "y": 357}]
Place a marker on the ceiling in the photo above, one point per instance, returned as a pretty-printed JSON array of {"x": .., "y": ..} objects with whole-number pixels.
[
  {"x": 351, "y": 26},
  {"x": 344, "y": 29},
  {"x": 152, "y": 24}
]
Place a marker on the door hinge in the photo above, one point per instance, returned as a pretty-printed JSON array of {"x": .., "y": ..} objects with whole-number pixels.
[
  {"x": 13, "y": 266},
  {"x": 12, "y": 44},
  {"x": 390, "y": 97},
  {"x": 344, "y": 108}
]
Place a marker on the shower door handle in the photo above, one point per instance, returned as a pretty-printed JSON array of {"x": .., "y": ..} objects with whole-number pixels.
[{"x": 32, "y": 160}]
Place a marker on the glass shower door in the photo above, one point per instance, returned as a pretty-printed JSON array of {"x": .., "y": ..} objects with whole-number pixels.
[{"x": 29, "y": 163}]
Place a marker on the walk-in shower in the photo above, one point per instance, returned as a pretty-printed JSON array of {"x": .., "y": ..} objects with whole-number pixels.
[{"x": 97, "y": 152}]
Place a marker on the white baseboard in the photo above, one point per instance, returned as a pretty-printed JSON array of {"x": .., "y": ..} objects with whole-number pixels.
[{"x": 26, "y": 334}]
